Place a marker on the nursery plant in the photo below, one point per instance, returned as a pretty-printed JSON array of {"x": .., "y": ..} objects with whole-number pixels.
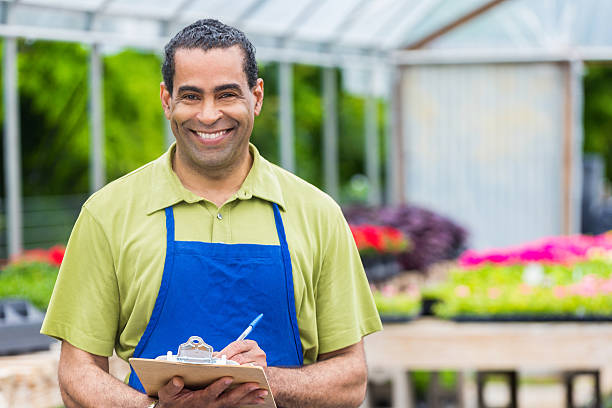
[
  {"x": 557, "y": 278},
  {"x": 32, "y": 276}
]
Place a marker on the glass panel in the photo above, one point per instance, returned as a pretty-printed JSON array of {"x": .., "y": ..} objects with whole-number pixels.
[
  {"x": 275, "y": 17},
  {"x": 323, "y": 24},
  {"x": 160, "y": 9},
  {"x": 374, "y": 20},
  {"x": 514, "y": 25},
  {"x": 81, "y": 5},
  {"x": 48, "y": 18},
  {"x": 222, "y": 10},
  {"x": 130, "y": 26}
]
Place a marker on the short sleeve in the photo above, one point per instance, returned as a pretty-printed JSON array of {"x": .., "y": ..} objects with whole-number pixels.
[
  {"x": 344, "y": 304},
  {"x": 84, "y": 307}
]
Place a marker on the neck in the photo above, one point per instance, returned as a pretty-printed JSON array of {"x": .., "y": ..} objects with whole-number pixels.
[{"x": 214, "y": 186}]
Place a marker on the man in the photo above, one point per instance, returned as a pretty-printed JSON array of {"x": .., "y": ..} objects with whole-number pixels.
[{"x": 202, "y": 240}]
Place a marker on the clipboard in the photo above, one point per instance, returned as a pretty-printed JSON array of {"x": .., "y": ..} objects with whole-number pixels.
[{"x": 195, "y": 364}]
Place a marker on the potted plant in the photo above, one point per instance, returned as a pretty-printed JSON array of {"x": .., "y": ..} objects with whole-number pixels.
[
  {"x": 26, "y": 284},
  {"x": 379, "y": 247}
]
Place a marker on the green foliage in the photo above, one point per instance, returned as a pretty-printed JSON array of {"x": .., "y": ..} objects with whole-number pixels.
[
  {"x": 54, "y": 92},
  {"x": 598, "y": 113},
  {"x": 400, "y": 304},
  {"x": 33, "y": 281},
  {"x": 53, "y": 89},
  {"x": 134, "y": 121}
]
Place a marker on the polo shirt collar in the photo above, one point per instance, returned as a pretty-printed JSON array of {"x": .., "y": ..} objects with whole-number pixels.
[{"x": 168, "y": 190}]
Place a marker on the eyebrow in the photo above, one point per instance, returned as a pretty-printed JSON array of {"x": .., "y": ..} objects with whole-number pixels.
[
  {"x": 231, "y": 86},
  {"x": 187, "y": 88}
]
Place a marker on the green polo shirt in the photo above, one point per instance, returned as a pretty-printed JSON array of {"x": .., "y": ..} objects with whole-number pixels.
[{"x": 114, "y": 261}]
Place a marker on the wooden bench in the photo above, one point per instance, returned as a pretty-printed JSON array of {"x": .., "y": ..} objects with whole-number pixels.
[{"x": 433, "y": 345}]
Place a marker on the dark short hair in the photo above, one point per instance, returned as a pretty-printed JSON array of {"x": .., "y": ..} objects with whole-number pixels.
[{"x": 207, "y": 34}]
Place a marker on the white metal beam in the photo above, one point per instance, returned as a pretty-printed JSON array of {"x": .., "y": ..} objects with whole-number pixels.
[
  {"x": 485, "y": 56},
  {"x": 352, "y": 57},
  {"x": 330, "y": 132},
  {"x": 12, "y": 151},
  {"x": 393, "y": 138},
  {"x": 97, "y": 177},
  {"x": 287, "y": 148},
  {"x": 372, "y": 161}
]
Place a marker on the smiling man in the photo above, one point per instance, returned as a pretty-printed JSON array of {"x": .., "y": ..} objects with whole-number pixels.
[{"x": 202, "y": 240}]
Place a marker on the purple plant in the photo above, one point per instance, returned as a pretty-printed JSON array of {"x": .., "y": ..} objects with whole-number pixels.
[{"x": 434, "y": 237}]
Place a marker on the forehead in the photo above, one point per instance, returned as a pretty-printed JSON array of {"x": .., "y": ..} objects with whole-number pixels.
[{"x": 211, "y": 67}]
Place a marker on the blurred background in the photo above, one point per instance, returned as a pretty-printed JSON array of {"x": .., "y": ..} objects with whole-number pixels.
[{"x": 467, "y": 141}]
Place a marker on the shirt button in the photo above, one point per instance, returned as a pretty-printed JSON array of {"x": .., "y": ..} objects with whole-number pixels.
[{"x": 219, "y": 216}]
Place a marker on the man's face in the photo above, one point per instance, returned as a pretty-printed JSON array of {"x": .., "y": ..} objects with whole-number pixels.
[{"x": 211, "y": 109}]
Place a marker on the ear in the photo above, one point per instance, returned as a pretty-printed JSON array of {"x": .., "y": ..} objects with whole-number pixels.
[
  {"x": 166, "y": 99},
  {"x": 258, "y": 93}
]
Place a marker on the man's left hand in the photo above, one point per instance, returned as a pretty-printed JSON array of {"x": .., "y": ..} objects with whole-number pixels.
[{"x": 244, "y": 352}]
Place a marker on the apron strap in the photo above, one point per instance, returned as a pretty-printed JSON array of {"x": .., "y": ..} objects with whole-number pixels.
[
  {"x": 165, "y": 281},
  {"x": 169, "y": 224},
  {"x": 280, "y": 230}
]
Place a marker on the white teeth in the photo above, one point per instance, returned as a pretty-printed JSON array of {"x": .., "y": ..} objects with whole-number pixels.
[{"x": 211, "y": 135}]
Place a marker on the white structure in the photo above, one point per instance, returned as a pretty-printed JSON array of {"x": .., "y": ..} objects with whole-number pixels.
[{"x": 484, "y": 94}]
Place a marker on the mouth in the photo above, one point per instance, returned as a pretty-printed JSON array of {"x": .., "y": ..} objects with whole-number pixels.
[{"x": 209, "y": 137}]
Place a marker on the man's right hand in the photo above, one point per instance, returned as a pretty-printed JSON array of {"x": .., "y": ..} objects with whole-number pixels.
[{"x": 216, "y": 395}]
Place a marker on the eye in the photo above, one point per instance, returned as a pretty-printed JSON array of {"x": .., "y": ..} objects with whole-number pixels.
[
  {"x": 226, "y": 95},
  {"x": 191, "y": 97}
]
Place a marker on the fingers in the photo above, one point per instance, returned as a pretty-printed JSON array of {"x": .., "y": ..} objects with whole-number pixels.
[
  {"x": 244, "y": 352},
  {"x": 217, "y": 388},
  {"x": 172, "y": 389},
  {"x": 217, "y": 394},
  {"x": 245, "y": 394}
]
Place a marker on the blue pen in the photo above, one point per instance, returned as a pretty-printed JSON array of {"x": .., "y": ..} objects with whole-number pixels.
[{"x": 250, "y": 328}]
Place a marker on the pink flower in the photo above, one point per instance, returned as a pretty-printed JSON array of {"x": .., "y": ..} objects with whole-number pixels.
[
  {"x": 413, "y": 291},
  {"x": 606, "y": 287},
  {"x": 462, "y": 291},
  {"x": 494, "y": 293},
  {"x": 525, "y": 289},
  {"x": 559, "y": 292},
  {"x": 388, "y": 291}
]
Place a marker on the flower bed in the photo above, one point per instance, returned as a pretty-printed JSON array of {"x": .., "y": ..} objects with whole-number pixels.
[
  {"x": 560, "y": 278},
  {"x": 31, "y": 276}
]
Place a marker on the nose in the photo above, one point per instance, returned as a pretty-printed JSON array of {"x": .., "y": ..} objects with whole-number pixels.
[{"x": 209, "y": 113}]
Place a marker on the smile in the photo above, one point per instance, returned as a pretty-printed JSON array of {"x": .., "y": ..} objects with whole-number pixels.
[{"x": 212, "y": 135}]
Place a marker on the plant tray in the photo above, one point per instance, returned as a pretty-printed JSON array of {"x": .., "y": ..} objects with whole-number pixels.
[
  {"x": 531, "y": 318},
  {"x": 397, "y": 318},
  {"x": 20, "y": 328}
]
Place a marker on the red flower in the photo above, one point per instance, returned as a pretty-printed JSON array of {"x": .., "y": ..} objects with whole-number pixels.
[
  {"x": 378, "y": 239},
  {"x": 374, "y": 237},
  {"x": 56, "y": 255},
  {"x": 52, "y": 256}
]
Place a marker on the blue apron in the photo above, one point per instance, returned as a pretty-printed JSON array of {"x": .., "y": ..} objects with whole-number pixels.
[{"x": 214, "y": 290}]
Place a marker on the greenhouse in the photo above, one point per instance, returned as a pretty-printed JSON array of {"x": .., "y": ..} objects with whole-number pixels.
[{"x": 467, "y": 142}]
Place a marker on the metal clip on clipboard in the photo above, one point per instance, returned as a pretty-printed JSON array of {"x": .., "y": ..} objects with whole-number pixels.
[{"x": 196, "y": 351}]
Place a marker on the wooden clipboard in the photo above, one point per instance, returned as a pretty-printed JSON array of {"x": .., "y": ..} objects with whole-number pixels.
[{"x": 154, "y": 374}]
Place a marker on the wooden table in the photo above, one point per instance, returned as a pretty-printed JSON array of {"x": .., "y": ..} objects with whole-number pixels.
[{"x": 433, "y": 345}]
